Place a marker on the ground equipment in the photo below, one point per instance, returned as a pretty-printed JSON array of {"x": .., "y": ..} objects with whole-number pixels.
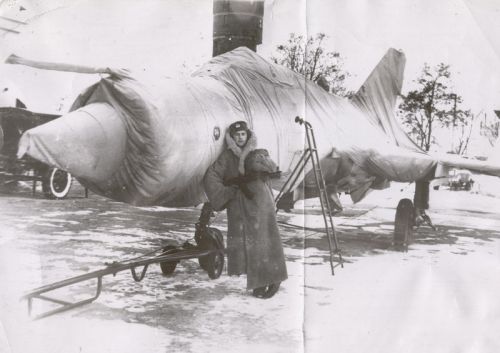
[
  {"x": 209, "y": 250},
  {"x": 311, "y": 154},
  {"x": 56, "y": 182}
]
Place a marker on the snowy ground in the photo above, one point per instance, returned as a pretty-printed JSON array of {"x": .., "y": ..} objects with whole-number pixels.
[{"x": 443, "y": 295}]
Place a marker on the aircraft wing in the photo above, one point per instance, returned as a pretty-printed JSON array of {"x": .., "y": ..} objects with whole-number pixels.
[{"x": 487, "y": 167}]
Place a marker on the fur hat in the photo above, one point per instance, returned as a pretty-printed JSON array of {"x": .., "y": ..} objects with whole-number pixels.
[{"x": 238, "y": 126}]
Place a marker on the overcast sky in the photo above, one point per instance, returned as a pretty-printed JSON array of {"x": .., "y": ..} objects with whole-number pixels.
[
  {"x": 173, "y": 38},
  {"x": 426, "y": 30}
]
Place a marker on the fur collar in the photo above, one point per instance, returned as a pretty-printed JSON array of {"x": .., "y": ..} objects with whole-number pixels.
[{"x": 241, "y": 153}]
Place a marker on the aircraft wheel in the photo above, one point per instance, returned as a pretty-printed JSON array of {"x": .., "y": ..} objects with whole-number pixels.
[
  {"x": 213, "y": 263},
  {"x": 56, "y": 183},
  {"x": 168, "y": 267},
  {"x": 267, "y": 291},
  {"x": 403, "y": 223}
]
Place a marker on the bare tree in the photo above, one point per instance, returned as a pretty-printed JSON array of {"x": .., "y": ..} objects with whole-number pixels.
[
  {"x": 432, "y": 104},
  {"x": 308, "y": 57},
  {"x": 465, "y": 132},
  {"x": 490, "y": 129},
  {"x": 461, "y": 120}
]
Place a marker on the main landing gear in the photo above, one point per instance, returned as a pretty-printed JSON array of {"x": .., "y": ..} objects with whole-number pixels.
[{"x": 411, "y": 214}]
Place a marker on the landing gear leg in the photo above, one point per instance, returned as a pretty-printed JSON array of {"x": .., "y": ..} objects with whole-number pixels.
[
  {"x": 421, "y": 202},
  {"x": 410, "y": 214}
]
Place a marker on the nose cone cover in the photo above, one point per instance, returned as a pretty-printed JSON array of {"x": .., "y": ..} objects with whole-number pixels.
[{"x": 88, "y": 142}]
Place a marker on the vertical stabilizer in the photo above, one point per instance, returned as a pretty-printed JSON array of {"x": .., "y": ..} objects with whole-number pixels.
[{"x": 377, "y": 96}]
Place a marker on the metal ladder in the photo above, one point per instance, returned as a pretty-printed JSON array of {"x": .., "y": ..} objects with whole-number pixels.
[{"x": 311, "y": 153}]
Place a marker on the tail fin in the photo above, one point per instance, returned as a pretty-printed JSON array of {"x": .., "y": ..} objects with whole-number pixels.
[{"x": 377, "y": 96}]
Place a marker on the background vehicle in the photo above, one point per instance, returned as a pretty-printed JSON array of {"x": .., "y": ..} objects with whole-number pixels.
[
  {"x": 56, "y": 183},
  {"x": 460, "y": 179}
]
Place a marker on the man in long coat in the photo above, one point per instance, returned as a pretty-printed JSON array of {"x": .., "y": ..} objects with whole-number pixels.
[{"x": 253, "y": 241}]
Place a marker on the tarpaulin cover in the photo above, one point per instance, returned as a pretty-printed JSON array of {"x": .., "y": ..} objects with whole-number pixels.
[
  {"x": 366, "y": 134},
  {"x": 149, "y": 140}
]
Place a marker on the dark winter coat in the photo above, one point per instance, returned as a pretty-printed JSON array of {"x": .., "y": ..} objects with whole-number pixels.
[{"x": 253, "y": 241}]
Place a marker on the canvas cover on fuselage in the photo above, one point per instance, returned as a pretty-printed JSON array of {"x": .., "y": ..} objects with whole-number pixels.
[{"x": 164, "y": 133}]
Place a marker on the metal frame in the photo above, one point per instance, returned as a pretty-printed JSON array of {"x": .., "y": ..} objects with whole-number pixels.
[
  {"x": 110, "y": 269},
  {"x": 311, "y": 153}
]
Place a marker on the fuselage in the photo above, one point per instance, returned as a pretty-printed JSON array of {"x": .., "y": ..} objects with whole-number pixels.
[{"x": 149, "y": 140}]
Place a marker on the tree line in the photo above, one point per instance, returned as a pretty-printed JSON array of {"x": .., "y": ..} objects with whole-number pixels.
[{"x": 432, "y": 104}]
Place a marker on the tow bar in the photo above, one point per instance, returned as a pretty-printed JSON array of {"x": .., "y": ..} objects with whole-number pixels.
[{"x": 209, "y": 251}]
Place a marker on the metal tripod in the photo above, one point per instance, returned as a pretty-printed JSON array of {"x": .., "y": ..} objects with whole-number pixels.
[{"x": 311, "y": 153}]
